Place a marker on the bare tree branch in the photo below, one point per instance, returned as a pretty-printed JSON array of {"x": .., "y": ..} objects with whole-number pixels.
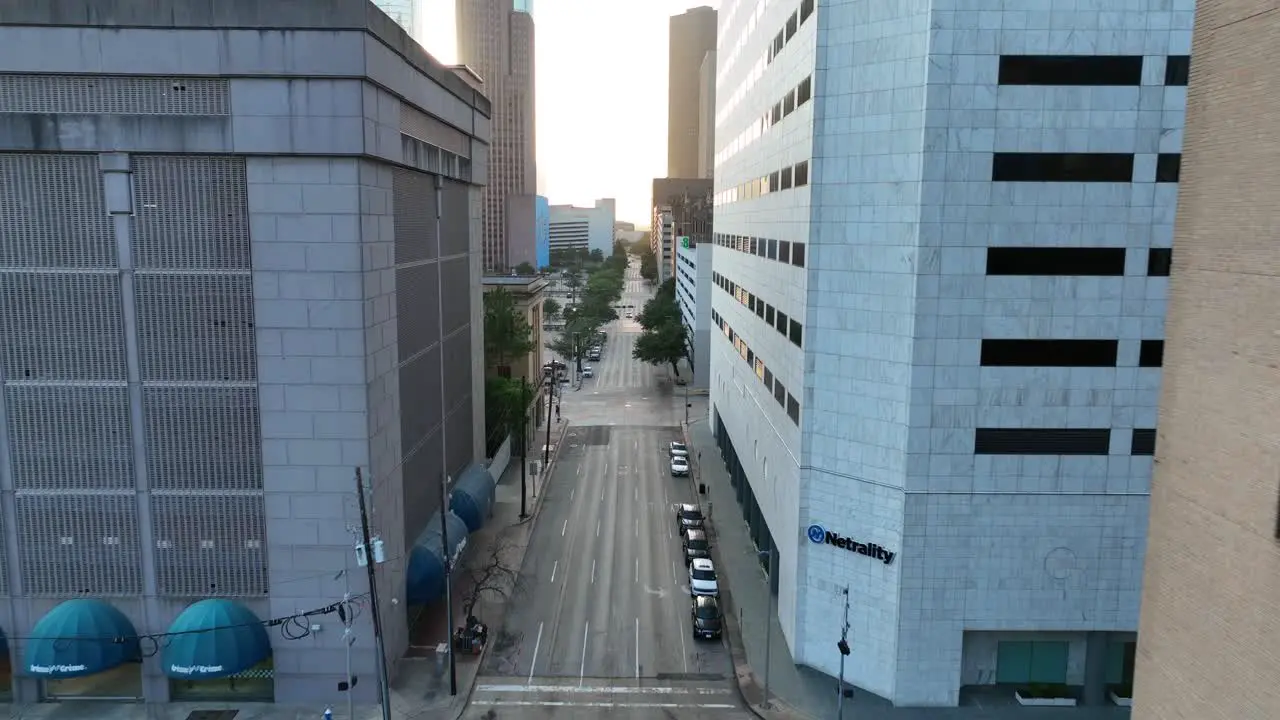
[{"x": 494, "y": 576}]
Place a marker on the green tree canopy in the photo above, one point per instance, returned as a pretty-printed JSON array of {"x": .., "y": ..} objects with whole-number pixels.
[
  {"x": 578, "y": 335},
  {"x": 507, "y": 333},
  {"x": 639, "y": 246},
  {"x": 662, "y": 344},
  {"x": 648, "y": 265},
  {"x": 550, "y": 307},
  {"x": 525, "y": 268},
  {"x": 597, "y": 255},
  {"x": 504, "y": 401}
]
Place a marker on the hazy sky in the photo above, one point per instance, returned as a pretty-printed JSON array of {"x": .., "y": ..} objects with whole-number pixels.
[{"x": 602, "y": 95}]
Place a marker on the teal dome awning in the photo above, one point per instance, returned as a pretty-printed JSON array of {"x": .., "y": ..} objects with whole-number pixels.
[
  {"x": 212, "y": 639},
  {"x": 80, "y": 637}
]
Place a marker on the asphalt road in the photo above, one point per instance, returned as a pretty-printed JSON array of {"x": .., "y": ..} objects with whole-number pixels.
[{"x": 601, "y": 625}]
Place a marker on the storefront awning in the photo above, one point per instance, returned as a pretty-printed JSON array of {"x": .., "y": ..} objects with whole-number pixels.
[
  {"x": 212, "y": 639},
  {"x": 80, "y": 637}
]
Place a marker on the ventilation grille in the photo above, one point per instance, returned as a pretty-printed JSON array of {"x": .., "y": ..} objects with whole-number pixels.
[
  {"x": 210, "y": 545},
  {"x": 105, "y": 95},
  {"x": 202, "y": 438},
  {"x": 455, "y": 278},
  {"x": 455, "y": 221},
  {"x": 52, "y": 212},
  {"x": 61, "y": 326},
  {"x": 196, "y": 328},
  {"x": 79, "y": 544},
  {"x": 420, "y": 401},
  {"x": 415, "y": 216},
  {"x": 417, "y": 297},
  {"x": 192, "y": 213},
  {"x": 70, "y": 438}
]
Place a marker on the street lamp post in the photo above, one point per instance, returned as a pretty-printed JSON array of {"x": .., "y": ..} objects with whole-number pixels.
[
  {"x": 524, "y": 444},
  {"x": 843, "y": 647}
]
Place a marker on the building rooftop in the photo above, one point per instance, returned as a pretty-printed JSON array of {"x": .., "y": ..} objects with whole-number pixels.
[
  {"x": 523, "y": 283},
  {"x": 328, "y": 15}
]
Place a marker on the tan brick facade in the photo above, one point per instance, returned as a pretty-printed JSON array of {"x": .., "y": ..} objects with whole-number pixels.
[{"x": 1209, "y": 636}]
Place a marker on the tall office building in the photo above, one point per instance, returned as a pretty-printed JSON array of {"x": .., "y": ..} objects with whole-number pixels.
[
  {"x": 219, "y": 296},
  {"x": 1210, "y": 621},
  {"x": 941, "y": 286},
  {"x": 496, "y": 40},
  {"x": 581, "y": 229},
  {"x": 692, "y": 35}
]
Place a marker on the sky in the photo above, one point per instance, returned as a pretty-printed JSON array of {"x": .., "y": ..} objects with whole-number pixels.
[{"x": 601, "y": 73}]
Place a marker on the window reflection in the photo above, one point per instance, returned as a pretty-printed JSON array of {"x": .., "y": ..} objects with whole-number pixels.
[
  {"x": 257, "y": 684},
  {"x": 119, "y": 683}
]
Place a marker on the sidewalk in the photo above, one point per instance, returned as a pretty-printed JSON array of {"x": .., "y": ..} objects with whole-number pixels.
[{"x": 801, "y": 692}]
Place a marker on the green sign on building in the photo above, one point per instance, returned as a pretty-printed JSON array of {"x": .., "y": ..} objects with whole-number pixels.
[{"x": 684, "y": 241}]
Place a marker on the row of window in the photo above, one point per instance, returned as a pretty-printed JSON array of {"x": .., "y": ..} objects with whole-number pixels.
[
  {"x": 1057, "y": 441},
  {"x": 787, "y": 253},
  {"x": 795, "y": 97},
  {"x": 787, "y": 178},
  {"x": 1066, "y": 353},
  {"x": 1005, "y": 167},
  {"x": 785, "y": 400},
  {"x": 1079, "y": 261},
  {"x": 1078, "y": 167},
  {"x": 778, "y": 320},
  {"x": 788, "y": 31},
  {"x": 1110, "y": 70}
]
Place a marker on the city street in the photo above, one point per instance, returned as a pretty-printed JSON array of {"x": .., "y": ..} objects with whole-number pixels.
[{"x": 602, "y": 625}]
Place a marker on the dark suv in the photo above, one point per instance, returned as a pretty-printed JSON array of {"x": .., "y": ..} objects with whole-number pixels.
[
  {"x": 706, "y": 617},
  {"x": 695, "y": 546},
  {"x": 688, "y": 517}
]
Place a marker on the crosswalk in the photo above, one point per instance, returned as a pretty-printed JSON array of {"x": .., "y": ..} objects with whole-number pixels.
[{"x": 638, "y": 695}]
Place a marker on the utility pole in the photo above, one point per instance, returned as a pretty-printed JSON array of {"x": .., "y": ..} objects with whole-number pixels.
[
  {"x": 384, "y": 684},
  {"x": 686, "y": 405},
  {"x": 524, "y": 443},
  {"x": 551, "y": 397},
  {"x": 448, "y": 580},
  {"x": 843, "y": 646}
]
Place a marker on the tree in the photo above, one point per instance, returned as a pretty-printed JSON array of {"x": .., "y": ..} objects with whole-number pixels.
[
  {"x": 507, "y": 333},
  {"x": 503, "y": 399},
  {"x": 663, "y": 344},
  {"x": 648, "y": 265},
  {"x": 661, "y": 308},
  {"x": 494, "y": 576},
  {"x": 619, "y": 249},
  {"x": 597, "y": 255},
  {"x": 550, "y": 308},
  {"x": 525, "y": 268},
  {"x": 640, "y": 245},
  {"x": 572, "y": 344}
]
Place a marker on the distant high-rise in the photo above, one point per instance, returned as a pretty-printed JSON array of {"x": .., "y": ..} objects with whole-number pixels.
[
  {"x": 692, "y": 36},
  {"x": 404, "y": 12},
  {"x": 495, "y": 39}
]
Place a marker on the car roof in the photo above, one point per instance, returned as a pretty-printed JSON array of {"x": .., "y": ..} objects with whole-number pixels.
[
  {"x": 705, "y": 601},
  {"x": 677, "y": 442},
  {"x": 695, "y": 535},
  {"x": 680, "y": 459},
  {"x": 687, "y": 506},
  {"x": 702, "y": 564}
]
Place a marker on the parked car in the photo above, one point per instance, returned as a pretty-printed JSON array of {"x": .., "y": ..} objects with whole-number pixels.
[
  {"x": 695, "y": 546},
  {"x": 678, "y": 449},
  {"x": 688, "y": 517},
  {"x": 702, "y": 578},
  {"x": 679, "y": 467},
  {"x": 707, "y": 620},
  {"x": 587, "y": 371}
]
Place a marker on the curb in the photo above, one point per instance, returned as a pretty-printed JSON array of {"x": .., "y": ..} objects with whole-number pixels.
[
  {"x": 745, "y": 681},
  {"x": 531, "y": 521}
]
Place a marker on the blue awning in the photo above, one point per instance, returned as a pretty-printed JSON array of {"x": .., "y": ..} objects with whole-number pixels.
[
  {"x": 472, "y": 496},
  {"x": 214, "y": 638},
  {"x": 80, "y": 637},
  {"x": 424, "y": 576}
]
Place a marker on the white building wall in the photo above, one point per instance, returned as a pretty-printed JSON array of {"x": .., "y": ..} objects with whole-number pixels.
[
  {"x": 693, "y": 294},
  {"x": 599, "y": 222},
  {"x": 895, "y": 302}
]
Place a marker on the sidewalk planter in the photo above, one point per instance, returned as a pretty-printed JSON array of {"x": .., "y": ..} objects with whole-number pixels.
[
  {"x": 1045, "y": 696},
  {"x": 1121, "y": 695}
]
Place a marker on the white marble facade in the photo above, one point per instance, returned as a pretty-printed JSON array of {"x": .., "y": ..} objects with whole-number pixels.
[{"x": 894, "y": 298}]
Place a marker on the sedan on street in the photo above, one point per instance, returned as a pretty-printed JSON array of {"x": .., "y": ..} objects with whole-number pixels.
[
  {"x": 679, "y": 467},
  {"x": 707, "y": 618},
  {"x": 688, "y": 517}
]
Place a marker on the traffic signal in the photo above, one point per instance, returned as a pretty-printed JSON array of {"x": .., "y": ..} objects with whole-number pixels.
[{"x": 843, "y": 646}]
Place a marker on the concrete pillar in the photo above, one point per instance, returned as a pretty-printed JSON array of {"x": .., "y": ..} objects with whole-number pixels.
[{"x": 1095, "y": 668}]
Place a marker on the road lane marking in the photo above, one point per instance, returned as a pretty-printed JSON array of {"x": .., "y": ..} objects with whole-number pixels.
[
  {"x": 579, "y": 472},
  {"x": 603, "y": 689},
  {"x": 601, "y": 499},
  {"x": 593, "y": 572},
  {"x": 586, "y": 632},
  {"x": 684, "y": 651},
  {"x": 637, "y": 569},
  {"x": 571, "y": 492},
  {"x": 565, "y": 527},
  {"x": 636, "y": 524},
  {"x": 598, "y": 527},
  {"x": 563, "y": 703},
  {"x": 554, "y": 567},
  {"x": 635, "y": 494},
  {"x": 675, "y": 579},
  {"x": 534, "y": 663}
]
